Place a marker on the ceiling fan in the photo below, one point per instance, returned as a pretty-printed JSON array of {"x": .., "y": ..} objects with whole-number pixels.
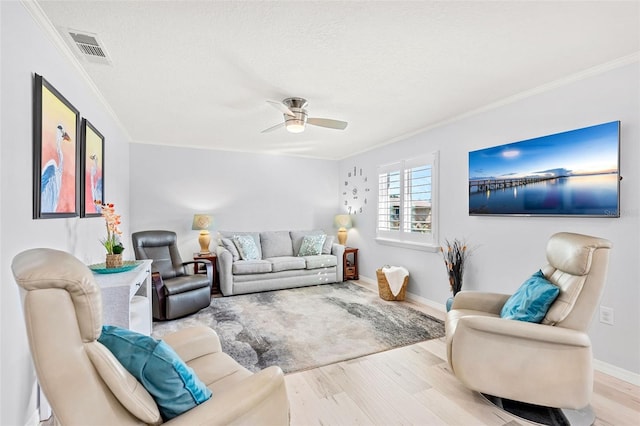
[{"x": 295, "y": 117}]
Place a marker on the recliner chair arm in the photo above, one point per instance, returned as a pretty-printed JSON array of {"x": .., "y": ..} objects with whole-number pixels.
[
  {"x": 480, "y": 301},
  {"x": 207, "y": 263},
  {"x": 533, "y": 363},
  {"x": 225, "y": 275},
  {"x": 158, "y": 296},
  {"x": 523, "y": 331},
  {"x": 193, "y": 342},
  {"x": 338, "y": 251},
  {"x": 203, "y": 261},
  {"x": 259, "y": 399}
]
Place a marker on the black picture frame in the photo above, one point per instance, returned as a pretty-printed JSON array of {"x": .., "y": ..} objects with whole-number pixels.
[
  {"x": 92, "y": 170},
  {"x": 56, "y": 149}
]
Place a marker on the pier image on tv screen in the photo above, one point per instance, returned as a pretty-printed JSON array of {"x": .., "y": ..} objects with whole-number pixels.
[{"x": 574, "y": 173}]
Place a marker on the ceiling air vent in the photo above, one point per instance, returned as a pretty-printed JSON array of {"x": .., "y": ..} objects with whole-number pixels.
[{"x": 87, "y": 46}]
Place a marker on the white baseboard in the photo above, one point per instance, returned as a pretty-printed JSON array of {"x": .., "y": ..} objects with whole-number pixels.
[
  {"x": 368, "y": 280},
  {"x": 411, "y": 296},
  {"x": 603, "y": 367},
  {"x": 617, "y": 372},
  {"x": 415, "y": 298}
]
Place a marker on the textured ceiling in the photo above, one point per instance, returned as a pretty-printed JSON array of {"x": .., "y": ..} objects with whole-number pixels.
[{"x": 198, "y": 74}]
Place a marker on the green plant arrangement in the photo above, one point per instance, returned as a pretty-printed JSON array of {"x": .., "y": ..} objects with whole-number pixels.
[{"x": 455, "y": 255}]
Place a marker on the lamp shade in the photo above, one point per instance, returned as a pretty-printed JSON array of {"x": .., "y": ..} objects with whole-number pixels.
[
  {"x": 343, "y": 221},
  {"x": 201, "y": 221}
]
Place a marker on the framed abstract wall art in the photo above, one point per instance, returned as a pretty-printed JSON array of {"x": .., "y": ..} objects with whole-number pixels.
[
  {"x": 574, "y": 173},
  {"x": 92, "y": 170},
  {"x": 55, "y": 153}
]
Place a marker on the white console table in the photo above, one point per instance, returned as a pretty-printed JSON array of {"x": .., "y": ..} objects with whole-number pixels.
[{"x": 118, "y": 291}]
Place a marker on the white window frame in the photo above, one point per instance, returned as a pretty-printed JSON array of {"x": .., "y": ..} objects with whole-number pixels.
[{"x": 402, "y": 237}]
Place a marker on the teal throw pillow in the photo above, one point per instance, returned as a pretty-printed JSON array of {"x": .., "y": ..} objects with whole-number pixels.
[
  {"x": 246, "y": 247},
  {"x": 532, "y": 300},
  {"x": 312, "y": 245},
  {"x": 172, "y": 383}
]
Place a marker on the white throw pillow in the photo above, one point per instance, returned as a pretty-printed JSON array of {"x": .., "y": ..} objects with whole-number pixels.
[
  {"x": 229, "y": 245},
  {"x": 246, "y": 247},
  {"x": 312, "y": 245}
]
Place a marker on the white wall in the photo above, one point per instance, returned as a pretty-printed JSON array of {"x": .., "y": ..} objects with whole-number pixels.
[
  {"x": 509, "y": 249},
  {"x": 244, "y": 192},
  {"x": 256, "y": 192},
  {"x": 26, "y": 49}
]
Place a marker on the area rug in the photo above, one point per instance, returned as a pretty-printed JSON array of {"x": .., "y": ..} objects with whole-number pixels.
[{"x": 308, "y": 327}]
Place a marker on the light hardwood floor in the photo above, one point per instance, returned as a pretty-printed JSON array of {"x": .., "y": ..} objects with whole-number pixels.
[{"x": 414, "y": 386}]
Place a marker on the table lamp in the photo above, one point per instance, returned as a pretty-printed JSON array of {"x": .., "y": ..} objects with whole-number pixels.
[
  {"x": 202, "y": 222},
  {"x": 342, "y": 222}
]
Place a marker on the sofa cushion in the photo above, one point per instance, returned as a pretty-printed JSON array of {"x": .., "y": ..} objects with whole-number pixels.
[
  {"x": 123, "y": 384},
  {"x": 228, "y": 244},
  {"x": 276, "y": 244},
  {"x": 286, "y": 263},
  {"x": 320, "y": 261},
  {"x": 254, "y": 235},
  {"x": 243, "y": 267},
  {"x": 172, "y": 384},
  {"x": 328, "y": 244},
  {"x": 247, "y": 247},
  {"x": 296, "y": 240},
  {"x": 312, "y": 245},
  {"x": 298, "y": 236}
]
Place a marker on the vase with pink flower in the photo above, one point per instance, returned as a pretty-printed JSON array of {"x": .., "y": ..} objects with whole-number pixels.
[{"x": 112, "y": 242}]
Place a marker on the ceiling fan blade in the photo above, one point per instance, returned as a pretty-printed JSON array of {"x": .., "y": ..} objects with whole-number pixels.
[
  {"x": 281, "y": 107},
  {"x": 327, "y": 122},
  {"x": 272, "y": 128}
]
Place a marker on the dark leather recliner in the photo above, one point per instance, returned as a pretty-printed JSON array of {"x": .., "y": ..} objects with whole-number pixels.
[{"x": 176, "y": 293}]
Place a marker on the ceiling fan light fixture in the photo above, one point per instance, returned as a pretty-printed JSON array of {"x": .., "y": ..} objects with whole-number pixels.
[
  {"x": 297, "y": 122},
  {"x": 295, "y": 117},
  {"x": 295, "y": 126}
]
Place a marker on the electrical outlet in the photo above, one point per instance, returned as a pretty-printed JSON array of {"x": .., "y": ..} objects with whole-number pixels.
[{"x": 606, "y": 315}]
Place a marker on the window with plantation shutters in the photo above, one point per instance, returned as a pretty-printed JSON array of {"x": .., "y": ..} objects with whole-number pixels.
[
  {"x": 407, "y": 202},
  {"x": 389, "y": 198}
]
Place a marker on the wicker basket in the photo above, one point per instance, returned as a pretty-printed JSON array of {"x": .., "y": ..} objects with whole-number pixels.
[{"x": 385, "y": 291}]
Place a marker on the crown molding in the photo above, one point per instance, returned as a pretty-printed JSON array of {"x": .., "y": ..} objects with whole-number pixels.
[
  {"x": 54, "y": 36},
  {"x": 581, "y": 75}
]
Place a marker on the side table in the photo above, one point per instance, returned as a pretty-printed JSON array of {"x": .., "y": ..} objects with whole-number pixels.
[
  {"x": 199, "y": 269},
  {"x": 350, "y": 264},
  {"x": 119, "y": 292}
]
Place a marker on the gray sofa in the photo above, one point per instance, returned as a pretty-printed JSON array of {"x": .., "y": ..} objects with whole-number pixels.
[{"x": 278, "y": 263}]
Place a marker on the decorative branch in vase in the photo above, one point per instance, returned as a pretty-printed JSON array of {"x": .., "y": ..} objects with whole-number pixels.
[{"x": 455, "y": 255}]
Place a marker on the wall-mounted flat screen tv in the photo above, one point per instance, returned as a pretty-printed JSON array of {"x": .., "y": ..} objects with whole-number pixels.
[{"x": 574, "y": 173}]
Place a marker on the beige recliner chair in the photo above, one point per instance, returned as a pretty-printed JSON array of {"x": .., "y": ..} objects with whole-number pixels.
[
  {"x": 547, "y": 364},
  {"x": 85, "y": 384}
]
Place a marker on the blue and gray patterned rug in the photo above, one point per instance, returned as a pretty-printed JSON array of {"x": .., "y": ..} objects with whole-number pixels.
[{"x": 308, "y": 327}]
